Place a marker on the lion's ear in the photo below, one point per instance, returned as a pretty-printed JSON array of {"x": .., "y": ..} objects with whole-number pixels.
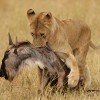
[
  {"x": 30, "y": 13},
  {"x": 49, "y": 15}
]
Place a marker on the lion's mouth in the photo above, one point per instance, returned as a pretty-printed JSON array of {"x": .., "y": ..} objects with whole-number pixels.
[{"x": 37, "y": 46}]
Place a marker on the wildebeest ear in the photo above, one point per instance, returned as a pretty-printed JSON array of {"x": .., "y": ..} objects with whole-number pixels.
[
  {"x": 49, "y": 15},
  {"x": 30, "y": 13},
  {"x": 10, "y": 39}
]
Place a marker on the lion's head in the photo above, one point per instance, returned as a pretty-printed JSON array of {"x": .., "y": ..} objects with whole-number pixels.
[{"x": 41, "y": 26}]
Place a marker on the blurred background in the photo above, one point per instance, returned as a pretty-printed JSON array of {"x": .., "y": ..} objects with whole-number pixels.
[{"x": 13, "y": 19}]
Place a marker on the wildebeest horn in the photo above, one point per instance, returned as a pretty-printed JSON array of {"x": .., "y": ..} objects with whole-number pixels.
[
  {"x": 10, "y": 39},
  {"x": 16, "y": 39}
]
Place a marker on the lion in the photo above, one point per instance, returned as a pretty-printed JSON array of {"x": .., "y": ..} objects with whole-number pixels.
[{"x": 70, "y": 39}]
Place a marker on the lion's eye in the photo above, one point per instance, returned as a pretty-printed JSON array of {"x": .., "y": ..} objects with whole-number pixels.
[{"x": 42, "y": 34}]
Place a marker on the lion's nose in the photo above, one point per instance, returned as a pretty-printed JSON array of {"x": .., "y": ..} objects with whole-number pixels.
[{"x": 43, "y": 35}]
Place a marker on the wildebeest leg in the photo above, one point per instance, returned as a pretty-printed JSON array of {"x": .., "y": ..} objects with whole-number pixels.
[
  {"x": 40, "y": 72},
  {"x": 61, "y": 75},
  {"x": 43, "y": 81},
  {"x": 57, "y": 65}
]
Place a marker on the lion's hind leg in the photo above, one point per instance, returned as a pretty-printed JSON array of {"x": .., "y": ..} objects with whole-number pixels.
[{"x": 80, "y": 55}]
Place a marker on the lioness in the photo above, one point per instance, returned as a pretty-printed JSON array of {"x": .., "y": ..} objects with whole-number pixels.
[{"x": 71, "y": 38}]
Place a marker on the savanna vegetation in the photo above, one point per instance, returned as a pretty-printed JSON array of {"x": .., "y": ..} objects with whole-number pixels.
[{"x": 13, "y": 19}]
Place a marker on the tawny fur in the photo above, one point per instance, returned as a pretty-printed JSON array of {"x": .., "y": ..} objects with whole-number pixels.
[{"x": 72, "y": 38}]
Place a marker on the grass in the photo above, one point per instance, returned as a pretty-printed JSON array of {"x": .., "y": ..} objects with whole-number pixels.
[{"x": 13, "y": 19}]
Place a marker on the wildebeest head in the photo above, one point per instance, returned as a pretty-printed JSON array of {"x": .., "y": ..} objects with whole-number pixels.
[
  {"x": 20, "y": 53},
  {"x": 13, "y": 57}
]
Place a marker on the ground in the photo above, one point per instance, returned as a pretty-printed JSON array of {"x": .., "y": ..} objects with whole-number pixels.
[{"x": 13, "y": 19}]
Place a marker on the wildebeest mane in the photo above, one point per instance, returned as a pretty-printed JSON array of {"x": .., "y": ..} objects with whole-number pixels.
[{"x": 22, "y": 43}]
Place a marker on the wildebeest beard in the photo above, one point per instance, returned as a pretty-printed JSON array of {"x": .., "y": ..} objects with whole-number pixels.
[{"x": 24, "y": 53}]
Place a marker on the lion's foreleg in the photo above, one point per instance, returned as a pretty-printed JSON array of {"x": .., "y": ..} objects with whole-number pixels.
[{"x": 73, "y": 77}]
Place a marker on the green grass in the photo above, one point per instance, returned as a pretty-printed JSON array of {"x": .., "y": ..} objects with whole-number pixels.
[{"x": 13, "y": 19}]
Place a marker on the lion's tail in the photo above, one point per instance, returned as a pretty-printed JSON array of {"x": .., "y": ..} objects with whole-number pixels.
[{"x": 92, "y": 45}]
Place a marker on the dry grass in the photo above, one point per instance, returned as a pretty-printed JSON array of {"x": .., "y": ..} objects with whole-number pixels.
[{"x": 13, "y": 19}]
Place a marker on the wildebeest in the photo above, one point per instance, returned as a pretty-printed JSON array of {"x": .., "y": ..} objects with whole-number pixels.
[{"x": 25, "y": 53}]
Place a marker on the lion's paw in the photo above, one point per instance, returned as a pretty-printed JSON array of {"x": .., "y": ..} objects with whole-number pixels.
[{"x": 73, "y": 80}]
